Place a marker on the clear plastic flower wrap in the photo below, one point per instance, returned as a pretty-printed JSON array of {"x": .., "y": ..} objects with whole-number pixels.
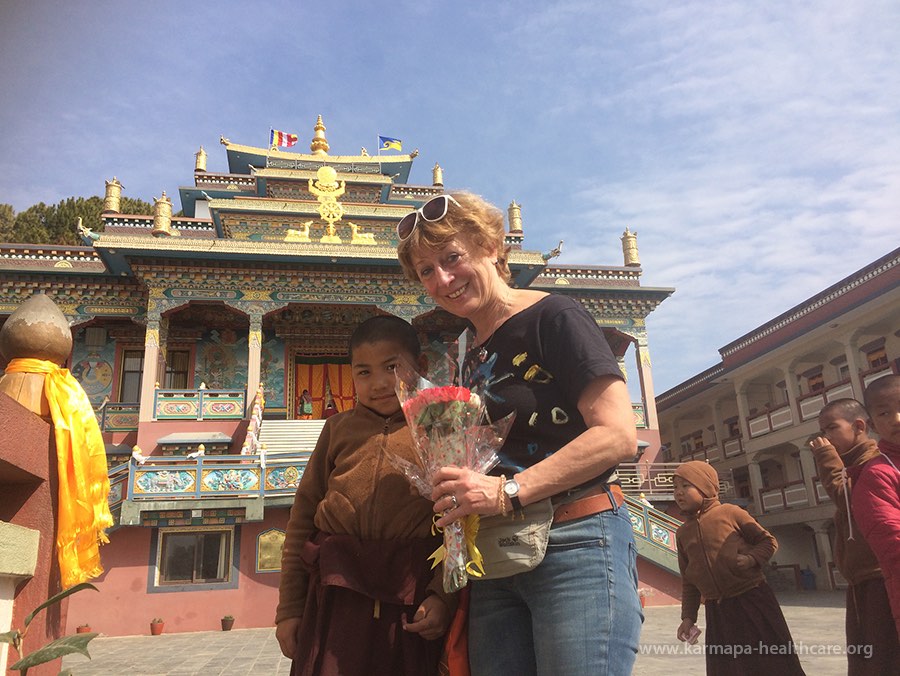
[{"x": 449, "y": 427}]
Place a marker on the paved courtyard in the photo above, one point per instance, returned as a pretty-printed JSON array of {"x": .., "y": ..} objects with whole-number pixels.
[{"x": 816, "y": 620}]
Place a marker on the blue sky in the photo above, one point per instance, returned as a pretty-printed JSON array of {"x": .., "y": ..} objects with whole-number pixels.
[{"x": 753, "y": 146}]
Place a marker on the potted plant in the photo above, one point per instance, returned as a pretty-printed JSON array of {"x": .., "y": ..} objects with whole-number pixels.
[
  {"x": 227, "y": 622},
  {"x": 644, "y": 592},
  {"x": 83, "y": 629},
  {"x": 156, "y": 626}
]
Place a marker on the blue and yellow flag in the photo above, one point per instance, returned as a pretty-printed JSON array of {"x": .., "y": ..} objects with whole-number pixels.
[{"x": 388, "y": 143}]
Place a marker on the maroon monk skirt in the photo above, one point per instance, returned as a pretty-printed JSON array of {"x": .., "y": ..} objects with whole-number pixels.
[
  {"x": 358, "y": 592},
  {"x": 747, "y": 635},
  {"x": 872, "y": 645}
]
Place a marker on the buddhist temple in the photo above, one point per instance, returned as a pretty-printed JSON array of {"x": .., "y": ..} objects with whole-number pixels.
[{"x": 197, "y": 329}]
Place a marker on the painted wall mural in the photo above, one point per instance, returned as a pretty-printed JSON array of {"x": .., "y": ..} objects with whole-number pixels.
[
  {"x": 272, "y": 369},
  {"x": 221, "y": 360},
  {"x": 93, "y": 367}
]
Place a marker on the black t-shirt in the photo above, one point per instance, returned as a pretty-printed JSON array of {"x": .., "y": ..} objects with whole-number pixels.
[{"x": 538, "y": 363}]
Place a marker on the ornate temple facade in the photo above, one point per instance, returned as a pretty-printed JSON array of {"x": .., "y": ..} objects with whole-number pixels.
[
  {"x": 752, "y": 414},
  {"x": 195, "y": 335}
]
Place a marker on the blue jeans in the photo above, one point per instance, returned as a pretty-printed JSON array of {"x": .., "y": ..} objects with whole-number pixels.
[{"x": 577, "y": 613}]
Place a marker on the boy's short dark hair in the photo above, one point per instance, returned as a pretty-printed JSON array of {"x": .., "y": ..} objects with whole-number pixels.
[
  {"x": 386, "y": 327},
  {"x": 848, "y": 409},
  {"x": 877, "y": 387}
]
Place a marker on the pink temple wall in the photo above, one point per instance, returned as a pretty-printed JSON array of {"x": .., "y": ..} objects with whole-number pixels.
[
  {"x": 666, "y": 586},
  {"x": 124, "y": 607}
]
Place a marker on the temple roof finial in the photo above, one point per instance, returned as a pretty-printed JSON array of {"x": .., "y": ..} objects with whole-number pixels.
[
  {"x": 200, "y": 160},
  {"x": 630, "y": 248},
  {"x": 514, "y": 212},
  {"x": 319, "y": 145}
]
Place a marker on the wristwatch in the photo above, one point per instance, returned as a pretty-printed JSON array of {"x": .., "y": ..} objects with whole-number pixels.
[{"x": 511, "y": 488}]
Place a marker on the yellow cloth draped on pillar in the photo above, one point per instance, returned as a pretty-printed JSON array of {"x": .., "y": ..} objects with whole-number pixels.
[{"x": 83, "y": 476}]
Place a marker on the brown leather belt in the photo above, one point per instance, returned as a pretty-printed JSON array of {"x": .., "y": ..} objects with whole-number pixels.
[{"x": 592, "y": 504}]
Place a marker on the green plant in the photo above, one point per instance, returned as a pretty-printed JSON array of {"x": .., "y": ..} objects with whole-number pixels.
[
  {"x": 228, "y": 617},
  {"x": 83, "y": 625},
  {"x": 55, "y": 649},
  {"x": 156, "y": 620}
]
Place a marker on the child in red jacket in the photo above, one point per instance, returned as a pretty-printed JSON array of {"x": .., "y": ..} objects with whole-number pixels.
[
  {"x": 875, "y": 487},
  {"x": 873, "y": 646}
]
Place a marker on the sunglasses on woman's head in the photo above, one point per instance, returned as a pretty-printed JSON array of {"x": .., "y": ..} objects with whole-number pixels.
[{"x": 433, "y": 210}]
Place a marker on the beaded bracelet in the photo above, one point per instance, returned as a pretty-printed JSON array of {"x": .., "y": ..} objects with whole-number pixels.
[{"x": 501, "y": 496}]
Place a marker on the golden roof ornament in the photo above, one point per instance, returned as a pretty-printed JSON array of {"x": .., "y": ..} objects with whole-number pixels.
[
  {"x": 319, "y": 145},
  {"x": 200, "y": 160},
  {"x": 437, "y": 175},
  {"x": 515, "y": 217},
  {"x": 327, "y": 190},
  {"x": 113, "y": 196},
  {"x": 162, "y": 217},
  {"x": 630, "y": 249}
]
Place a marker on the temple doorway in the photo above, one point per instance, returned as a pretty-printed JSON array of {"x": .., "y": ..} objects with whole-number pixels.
[{"x": 328, "y": 382}]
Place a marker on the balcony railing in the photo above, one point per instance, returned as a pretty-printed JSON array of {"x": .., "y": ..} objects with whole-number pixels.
[
  {"x": 174, "y": 478},
  {"x": 733, "y": 447},
  {"x": 199, "y": 404},
  {"x": 791, "y": 494},
  {"x": 770, "y": 421},
  {"x": 118, "y": 417},
  {"x": 811, "y": 404},
  {"x": 640, "y": 415},
  {"x": 655, "y": 480}
]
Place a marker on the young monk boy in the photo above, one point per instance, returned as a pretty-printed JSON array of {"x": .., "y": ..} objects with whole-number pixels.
[
  {"x": 358, "y": 596},
  {"x": 875, "y": 486},
  {"x": 873, "y": 645}
]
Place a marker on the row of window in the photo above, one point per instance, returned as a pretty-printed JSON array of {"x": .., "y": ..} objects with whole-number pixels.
[{"x": 176, "y": 376}]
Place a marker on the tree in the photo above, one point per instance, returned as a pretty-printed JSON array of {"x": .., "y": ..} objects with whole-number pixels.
[
  {"x": 7, "y": 222},
  {"x": 42, "y": 224}
]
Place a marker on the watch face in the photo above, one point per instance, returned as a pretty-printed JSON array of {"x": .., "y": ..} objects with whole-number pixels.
[{"x": 511, "y": 487}]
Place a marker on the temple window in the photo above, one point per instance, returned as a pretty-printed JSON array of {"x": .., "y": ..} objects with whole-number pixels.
[
  {"x": 877, "y": 358},
  {"x": 177, "y": 369},
  {"x": 195, "y": 557},
  {"x": 130, "y": 376},
  {"x": 816, "y": 383}
]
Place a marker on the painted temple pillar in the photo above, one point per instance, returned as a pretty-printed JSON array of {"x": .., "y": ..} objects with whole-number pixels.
[
  {"x": 823, "y": 549},
  {"x": 718, "y": 428},
  {"x": 743, "y": 405},
  {"x": 756, "y": 484},
  {"x": 163, "y": 356},
  {"x": 808, "y": 466},
  {"x": 254, "y": 358},
  {"x": 851, "y": 350},
  {"x": 150, "y": 375},
  {"x": 793, "y": 392},
  {"x": 645, "y": 372}
]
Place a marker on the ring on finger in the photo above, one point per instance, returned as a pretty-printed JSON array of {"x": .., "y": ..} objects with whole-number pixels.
[{"x": 453, "y": 501}]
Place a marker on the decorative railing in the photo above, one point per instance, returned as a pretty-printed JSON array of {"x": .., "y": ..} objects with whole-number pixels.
[
  {"x": 772, "y": 420},
  {"x": 118, "y": 486},
  {"x": 118, "y": 417},
  {"x": 174, "y": 478},
  {"x": 733, "y": 447},
  {"x": 874, "y": 374},
  {"x": 655, "y": 480},
  {"x": 653, "y": 526},
  {"x": 199, "y": 404},
  {"x": 251, "y": 445},
  {"x": 791, "y": 494},
  {"x": 811, "y": 404},
  {"x": 640, "y": 415}
]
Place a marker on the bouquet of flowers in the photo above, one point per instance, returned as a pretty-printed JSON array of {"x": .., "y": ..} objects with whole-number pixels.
[{"x": 448, "y": 428}]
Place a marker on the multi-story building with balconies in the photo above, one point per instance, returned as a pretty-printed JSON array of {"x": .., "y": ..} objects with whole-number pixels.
[{"x": 753, "y": 414}]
